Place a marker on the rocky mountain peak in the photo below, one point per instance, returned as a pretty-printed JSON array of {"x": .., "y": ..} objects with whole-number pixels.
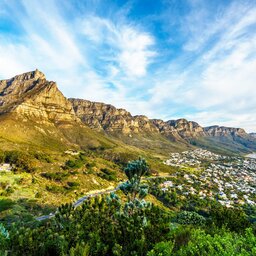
[
  {"x": 216, "y": 130},
  {"x": 253, "y": 134},
  {"x": 30, "y": 95},
  {"x": 187, "y": 129},
  {"x": 32, "y": 75}
]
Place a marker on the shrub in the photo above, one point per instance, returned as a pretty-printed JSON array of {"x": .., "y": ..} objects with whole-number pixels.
[
  {"x": 107, "y": 174},
  {"x": 57, "y": 176},
  {"x": 190, "y": 218},
  {"x": 73, "y": 164},
  {"x": 20, "y": 160},
  {"x": 161, "y": 249},
  {"x": 43, "y": 157},
  {"x": 226, "y": 243}
]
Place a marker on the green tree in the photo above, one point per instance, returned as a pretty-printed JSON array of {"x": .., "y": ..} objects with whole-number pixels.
[{"x": 133, "y": 188}]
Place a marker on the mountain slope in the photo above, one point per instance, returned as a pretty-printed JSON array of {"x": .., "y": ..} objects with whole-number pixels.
[
  {"x": 154, "y": 133},
  {"x": 33, "y": 111}
]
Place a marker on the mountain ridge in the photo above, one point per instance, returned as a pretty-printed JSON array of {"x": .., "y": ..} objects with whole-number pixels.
[{"x": 30, "y": 96}]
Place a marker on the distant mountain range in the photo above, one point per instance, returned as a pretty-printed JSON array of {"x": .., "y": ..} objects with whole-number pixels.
[
  {"x": 33, "y": 111},
  {"x": 253, "y": 134}
]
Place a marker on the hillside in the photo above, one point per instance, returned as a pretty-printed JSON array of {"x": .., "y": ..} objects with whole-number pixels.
[
  {"x": 148, "y": 134},
  {"x": 34, "y": 112},
  {"x": 56, "y": 151}
]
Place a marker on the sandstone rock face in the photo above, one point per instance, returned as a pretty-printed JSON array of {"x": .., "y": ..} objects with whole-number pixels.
[
  {"x": 167, "y": 130},
  {"x": 187, "y": 129},
  {"x": 30, "y": 95},
  {"x": 216, "y": 131},
  {"x": 106, "y": 117}
]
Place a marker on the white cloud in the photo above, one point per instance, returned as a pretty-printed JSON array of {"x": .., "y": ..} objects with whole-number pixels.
[
  {"x": 219, "y": 86},
  {"x": 131, "y": 48}
]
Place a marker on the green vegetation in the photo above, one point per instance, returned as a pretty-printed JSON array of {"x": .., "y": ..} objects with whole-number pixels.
[
  {"x": 107, "y": 174},
  {"x": 21, "y": 161},
  {"x": 131, "y": 225}
]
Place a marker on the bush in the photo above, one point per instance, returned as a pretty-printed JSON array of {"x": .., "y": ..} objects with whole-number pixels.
[
  {"x": 234, "y": 219},
  {"x": 54, "y": 189},
  {"x": 20, "y": 160},
  {"x": 73, "y": 164},
  {"x": 107, "y": 174},
  {"x": 225, "y": 243},
  {"x": 72, "y": 185},
  {"x": 57, "y": 176},
  {"x": 162, "y": 249},
  {"x": 43, "y": 157},
  {"x": 190, "y": 218}
]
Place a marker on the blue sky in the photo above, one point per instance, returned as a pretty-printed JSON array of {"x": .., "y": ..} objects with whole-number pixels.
[{"x": 166, "y": 59}]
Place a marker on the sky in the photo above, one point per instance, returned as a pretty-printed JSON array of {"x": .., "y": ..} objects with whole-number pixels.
[{"x": 166, "y": 59}]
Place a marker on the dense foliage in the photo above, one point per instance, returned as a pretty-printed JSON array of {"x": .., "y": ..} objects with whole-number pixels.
[
  {"x": 21, "y": 161},
  {"x": 110, "y": 225}
]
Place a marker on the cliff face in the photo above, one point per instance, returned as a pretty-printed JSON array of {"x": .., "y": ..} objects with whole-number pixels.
[
  {"x": 187, "y": 129},
  {"x": 106, "y": 117},
  {"x": 217, "y": 131},
  {"x": 167, "y": 130},
  {"x": 30, "y": 95}
]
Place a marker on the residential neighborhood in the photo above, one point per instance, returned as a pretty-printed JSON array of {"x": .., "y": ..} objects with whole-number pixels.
[{"x": 230, "y": 180}]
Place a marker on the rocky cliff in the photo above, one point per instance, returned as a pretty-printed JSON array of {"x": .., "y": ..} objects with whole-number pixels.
[
  {"x": 187, "y": 129},
  {"x": 224, "y": 131},
  {"x": 106, "y": 117},
  {"x": 31, "y": 96}
]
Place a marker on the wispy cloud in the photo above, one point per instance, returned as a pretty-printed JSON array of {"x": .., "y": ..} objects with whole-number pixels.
[{"x": 129, "y": 48}]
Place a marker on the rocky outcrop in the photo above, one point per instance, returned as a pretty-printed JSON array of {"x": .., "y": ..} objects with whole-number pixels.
[
  {"x": 167, "y": 130},
  {"x": 187, "y": 129},
  {"x": 31, "y": 96},
  {"x": 217, "y": 131},
  {"x": 106, "y": 117}
]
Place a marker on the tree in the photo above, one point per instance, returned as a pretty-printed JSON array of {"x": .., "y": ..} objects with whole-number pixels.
[{"x": 133, "y": 188}]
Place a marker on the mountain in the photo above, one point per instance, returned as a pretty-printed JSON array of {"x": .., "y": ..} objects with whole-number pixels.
[
  {"x": 30, "y": 95},
  {"x": 253, "y": 134},
  {"x": 112, "y": 120},
  {"x": 216, "y": 131},
  {"x": 139, "y": 131},
  {"x": 33, "y": 111},
  {"x": 226, "y": 139},
  {"x": 106, "y": 117},
  {"x": 144, "y": 132}
]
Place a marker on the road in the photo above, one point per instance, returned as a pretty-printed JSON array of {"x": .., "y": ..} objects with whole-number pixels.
[
  {"x": 82, "y": 199},
  {"x": 79, "y": 202}
]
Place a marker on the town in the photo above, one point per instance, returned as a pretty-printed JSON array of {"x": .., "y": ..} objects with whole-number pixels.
[{"x": 230, "y": 180}]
